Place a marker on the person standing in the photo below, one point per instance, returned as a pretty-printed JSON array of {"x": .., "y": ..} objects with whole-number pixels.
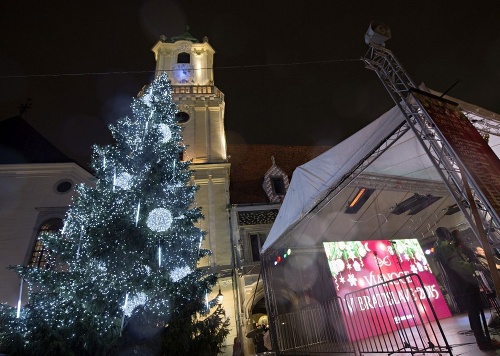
[
  {"x": 237, "y": 347},
  {"x": 464, "y": 285}
]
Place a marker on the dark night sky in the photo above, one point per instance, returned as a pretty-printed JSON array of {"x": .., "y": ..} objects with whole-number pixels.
[{"x": 291, "y": 74}]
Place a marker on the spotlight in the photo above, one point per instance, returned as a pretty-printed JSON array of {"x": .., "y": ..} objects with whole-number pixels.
[
  {"x": 452, "y": 209},
  {"x": 361, "y": 197},
  {"x": 414, "y": 204},
  {"x": 377, "y": 34}
]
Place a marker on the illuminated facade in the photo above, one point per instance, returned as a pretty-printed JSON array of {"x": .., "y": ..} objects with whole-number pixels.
[
  {"x": 189, "y": 65},
  {"x": 37, "y": 183}
]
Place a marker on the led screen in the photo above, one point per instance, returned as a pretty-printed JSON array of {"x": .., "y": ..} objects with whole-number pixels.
[{"x": 358, "y": 268}]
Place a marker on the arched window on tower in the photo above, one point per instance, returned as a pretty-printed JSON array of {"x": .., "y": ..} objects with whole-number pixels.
[
  {"x": 39, "y": 253},
  {"x": 183, "y": 58}
]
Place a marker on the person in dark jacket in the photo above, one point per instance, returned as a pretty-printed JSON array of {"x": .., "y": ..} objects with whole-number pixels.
[{"x": 465, "y": 287}]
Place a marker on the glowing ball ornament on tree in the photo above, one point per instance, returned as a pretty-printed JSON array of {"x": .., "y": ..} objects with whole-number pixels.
[
  {"x": 133, "y": 302},
  {"x": 159, "y": 220},
  {"x": 179, "y": 273},
  {"x": 166, "y": 132},
  {"x": 124, "y": 181},
  {"x": 147, "y": 99}
]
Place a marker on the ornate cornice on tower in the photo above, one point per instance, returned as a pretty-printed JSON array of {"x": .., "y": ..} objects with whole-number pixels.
[{"x": 185, "y": 60}]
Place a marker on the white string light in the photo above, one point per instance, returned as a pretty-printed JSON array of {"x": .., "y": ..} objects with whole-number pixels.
[
  {"x": 124, "y": 181},
  {"x": 137, "y": 214},
  {"x": 18, "y": 314},
  {"x": 166, "y": 132},
  {"x": 79, "y": 243},
  {"x": 179, "y": 273}
]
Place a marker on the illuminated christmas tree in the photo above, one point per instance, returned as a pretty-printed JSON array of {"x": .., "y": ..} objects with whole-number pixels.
[{"x": 122, "y": 273}]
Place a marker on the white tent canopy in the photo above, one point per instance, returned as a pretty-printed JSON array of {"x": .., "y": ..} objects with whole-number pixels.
[
  {"x": 312, "y": 180},
  {"x": 404, "y": 160}
]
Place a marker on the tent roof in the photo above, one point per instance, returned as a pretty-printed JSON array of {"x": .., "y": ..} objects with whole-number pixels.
[
  {"x": 312, "y": 180},
  {"x": 401, "y": 171}
]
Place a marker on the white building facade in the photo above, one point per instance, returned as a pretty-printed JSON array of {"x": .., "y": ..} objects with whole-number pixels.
[{"x": 34, "y": 197}]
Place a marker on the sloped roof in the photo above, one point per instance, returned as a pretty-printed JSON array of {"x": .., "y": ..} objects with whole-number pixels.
[
  {"x": 20, "y": 143},
  {"x": 249, "y": 164}
]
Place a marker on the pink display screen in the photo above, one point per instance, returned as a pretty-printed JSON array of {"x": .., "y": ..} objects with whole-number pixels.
[{"x": 358, "y": 268}]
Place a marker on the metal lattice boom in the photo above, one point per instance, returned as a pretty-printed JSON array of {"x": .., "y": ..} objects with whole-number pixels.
[{"x": 401, "y": 88}]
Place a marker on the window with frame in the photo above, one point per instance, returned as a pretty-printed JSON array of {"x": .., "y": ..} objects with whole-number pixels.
[
  {"x": 278, "y": 185},
  {"x": 183, "y": 57},
  {"x": 182, "y": 117},
  {"x": 256, "y": 242},
  {"x": 275, "y": 183},
  {"x": 39, "y": 253}
]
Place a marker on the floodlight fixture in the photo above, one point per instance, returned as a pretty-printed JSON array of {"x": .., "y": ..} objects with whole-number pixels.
[
  {"x": 414, "y": 204},
  {"x": 359, "y": 200},
  {"x": 452, "y": 209},
  {"x": 424, "y": 203},
  {"x": 377, "y": 34}
]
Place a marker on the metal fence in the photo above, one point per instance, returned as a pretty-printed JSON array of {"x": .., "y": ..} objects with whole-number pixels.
[
  {"x": 316, "y": 329},
  {"x": 390, "y": 317},
  {"x": 402, "y": 320}
]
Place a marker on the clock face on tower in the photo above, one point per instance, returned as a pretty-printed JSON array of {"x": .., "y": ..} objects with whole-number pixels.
[{"x": 183, "y": 72}]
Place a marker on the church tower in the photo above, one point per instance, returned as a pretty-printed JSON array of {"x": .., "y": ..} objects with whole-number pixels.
[{"x": 189, "y": 65}]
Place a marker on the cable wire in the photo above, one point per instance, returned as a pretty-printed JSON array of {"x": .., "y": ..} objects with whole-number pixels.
[{"x": 170, "y": 70}]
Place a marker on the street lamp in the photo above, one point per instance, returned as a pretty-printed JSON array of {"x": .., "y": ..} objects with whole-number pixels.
[{"x": 219, "y": 297}]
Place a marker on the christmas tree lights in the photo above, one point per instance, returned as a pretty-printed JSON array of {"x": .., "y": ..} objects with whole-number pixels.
[
  {"x": 123, "y": 270},
  {"x": 159, "y": 220}
]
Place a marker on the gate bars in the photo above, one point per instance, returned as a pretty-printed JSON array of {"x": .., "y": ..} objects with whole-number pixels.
[{"x": 390, "y": 317}]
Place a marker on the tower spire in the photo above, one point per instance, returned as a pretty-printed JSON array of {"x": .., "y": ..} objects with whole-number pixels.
[{"x": 186, "y": 36}]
